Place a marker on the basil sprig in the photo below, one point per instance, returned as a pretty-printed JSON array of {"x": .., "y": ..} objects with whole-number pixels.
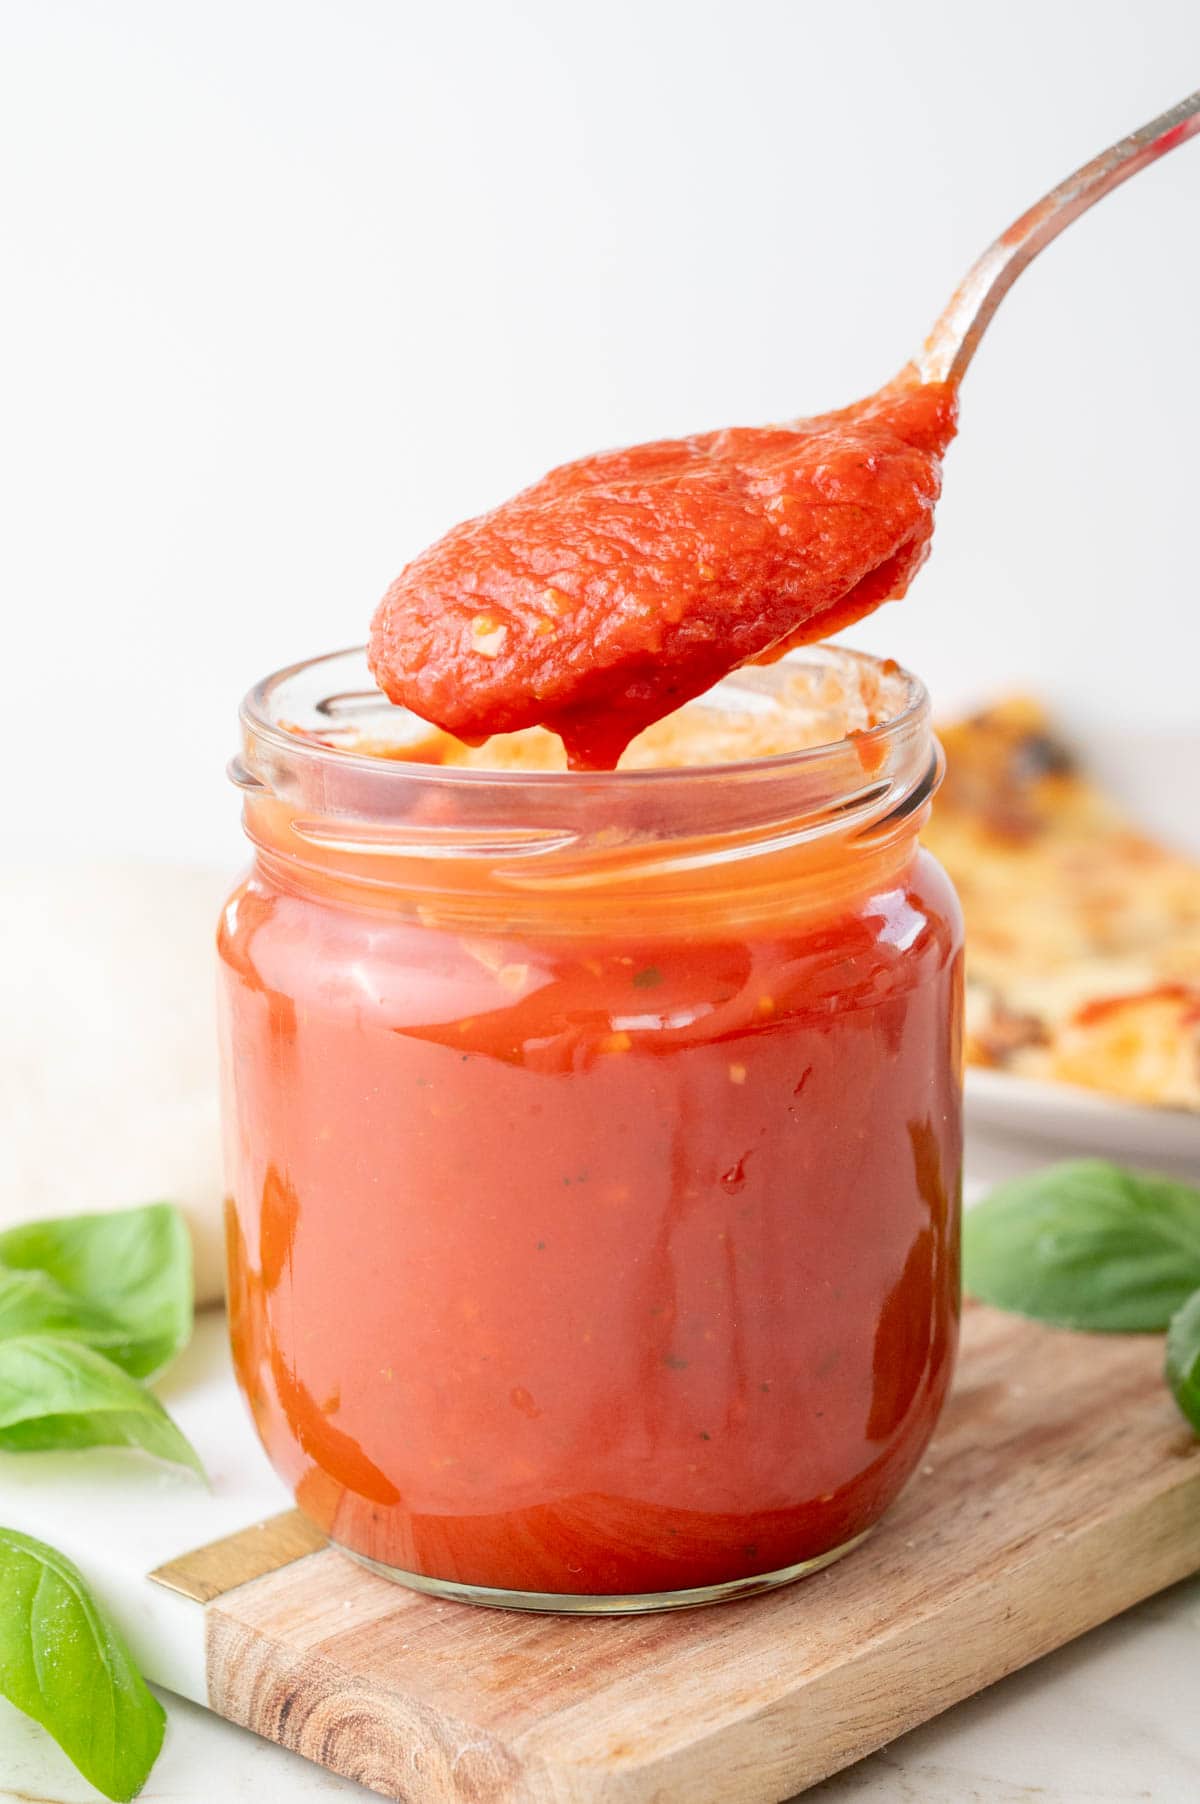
[
  {"x": 90, "y": 1305},
  {"x": 64, "y": 1662},
  {"x": 1183, "y": 1359},
  {"x": 58, "y": 1394},
  {"x": 119, "y": 1282},
  {"x": 1090, "y": 1245}
]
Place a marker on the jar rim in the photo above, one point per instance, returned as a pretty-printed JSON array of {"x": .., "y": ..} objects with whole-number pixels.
[
  {"x": 262, "y": 728},
  {"x": 387, "y": 822},
  {"x": 311, "y": 799}
]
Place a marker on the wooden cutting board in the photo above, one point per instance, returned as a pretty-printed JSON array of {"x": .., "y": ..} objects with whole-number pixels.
[{"x": 1062, "y": 1488}]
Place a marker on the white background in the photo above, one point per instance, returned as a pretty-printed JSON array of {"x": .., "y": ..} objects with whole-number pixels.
[{"x": 290, "y": 287}]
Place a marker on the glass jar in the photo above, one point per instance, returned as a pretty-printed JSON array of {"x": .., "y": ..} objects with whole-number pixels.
[{"x": 594, "y": 1141}]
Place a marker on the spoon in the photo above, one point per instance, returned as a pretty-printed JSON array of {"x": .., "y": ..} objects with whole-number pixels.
[
  {"x": 955, "y": 338},
  {"x": 620, "y": 586}
]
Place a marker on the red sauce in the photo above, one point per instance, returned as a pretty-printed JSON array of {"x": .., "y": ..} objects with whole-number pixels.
[
  {"x": 591, "y": 1236},
  {"x": 610, "y": 1260},
  {"x": 622, "y": 585}
]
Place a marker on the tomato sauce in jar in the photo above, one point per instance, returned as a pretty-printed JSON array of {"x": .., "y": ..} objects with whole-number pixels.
[{"x": 594, "y": 1141}]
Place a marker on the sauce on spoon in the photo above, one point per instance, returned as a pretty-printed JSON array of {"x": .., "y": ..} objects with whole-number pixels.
[{"x": 624, "y": 584}]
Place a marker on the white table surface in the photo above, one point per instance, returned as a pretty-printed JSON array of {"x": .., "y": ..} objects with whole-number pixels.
[{"x": 1112, "y": 1718}]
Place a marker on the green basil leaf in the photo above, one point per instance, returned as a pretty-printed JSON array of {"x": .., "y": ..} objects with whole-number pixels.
[
  {"x": 64, "y": 1662},
  {"x": 55, "y": 1393},
  {"x": 1086, "y": 1245},
  {"x": 32, "y": 1303},
  {"x": 1183, "y": 1359},
  {"x": 127, "y": 1274}
]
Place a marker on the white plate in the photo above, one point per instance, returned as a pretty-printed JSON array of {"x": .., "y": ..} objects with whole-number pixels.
[
  {"x": 1077, "y": 1122},
  {"x": 1015, "y": 1123}
]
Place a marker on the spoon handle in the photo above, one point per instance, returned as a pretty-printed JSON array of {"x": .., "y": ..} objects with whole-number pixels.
[{"x": 952, "y": 343}]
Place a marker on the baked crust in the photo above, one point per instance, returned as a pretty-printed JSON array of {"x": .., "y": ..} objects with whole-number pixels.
[{"x": 1083, "y": 934}]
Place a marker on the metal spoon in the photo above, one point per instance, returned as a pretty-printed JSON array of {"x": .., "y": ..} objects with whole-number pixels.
[{"x": 953, "y": 341}]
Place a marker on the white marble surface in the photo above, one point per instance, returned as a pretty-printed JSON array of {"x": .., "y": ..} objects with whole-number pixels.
[
  {"x": 1110, "y": 1719},
  {"x": 118, "y": 1516}
]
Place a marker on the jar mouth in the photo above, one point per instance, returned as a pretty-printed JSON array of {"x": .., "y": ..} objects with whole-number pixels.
[
  {"x": 330, "y": 707},
  {"x": 306, "y": 786}
]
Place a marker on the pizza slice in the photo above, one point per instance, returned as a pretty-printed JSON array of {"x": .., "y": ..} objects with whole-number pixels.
[{"x": 1083, "y": 934}]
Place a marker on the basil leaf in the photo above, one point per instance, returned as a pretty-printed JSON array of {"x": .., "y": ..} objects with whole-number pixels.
[
  {"x": 1183, "y": 1359},
  {"x": 127, "y": 1275},
  {"x": 57, "y": 1394},
  {"x": 32, "y": 1303},
  {"x": 1086, "y": 1245},
  {"x": 64, "y": 1662}
]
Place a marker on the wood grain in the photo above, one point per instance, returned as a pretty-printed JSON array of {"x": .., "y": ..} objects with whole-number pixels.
[{"x": 1062, "y": 1488}]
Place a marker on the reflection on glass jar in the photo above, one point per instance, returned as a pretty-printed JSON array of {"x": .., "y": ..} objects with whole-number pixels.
[{"x": 594, "y": 1141}]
